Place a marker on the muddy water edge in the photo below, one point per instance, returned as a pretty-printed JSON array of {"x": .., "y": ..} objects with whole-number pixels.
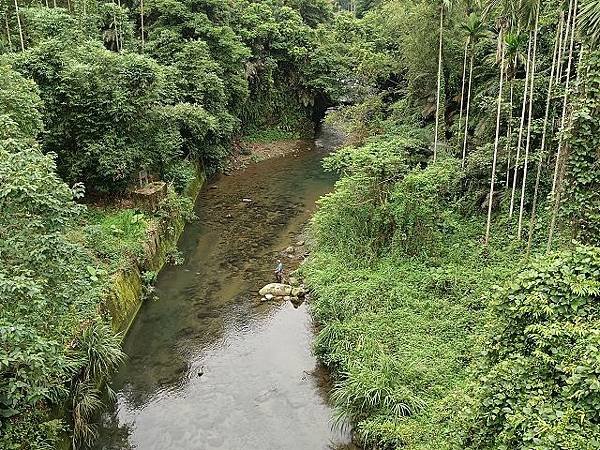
[{"x": 209, "y": 366}]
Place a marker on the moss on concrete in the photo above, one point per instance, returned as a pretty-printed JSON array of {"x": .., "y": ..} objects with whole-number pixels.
[{"x": 125, "y": 295}]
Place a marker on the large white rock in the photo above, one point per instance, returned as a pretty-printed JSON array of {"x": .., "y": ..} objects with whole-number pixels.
[{"x": 276, "y": 289}]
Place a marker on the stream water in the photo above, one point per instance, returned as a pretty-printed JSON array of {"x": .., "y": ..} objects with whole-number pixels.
[{"x": 208, "y": 366}]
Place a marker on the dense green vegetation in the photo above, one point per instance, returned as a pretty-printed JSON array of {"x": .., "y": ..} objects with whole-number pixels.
[
  {"x": 91, "y": 94},
  {"x": 455, "y": 266}
]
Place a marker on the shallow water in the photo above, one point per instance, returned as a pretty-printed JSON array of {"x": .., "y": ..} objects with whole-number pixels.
[{"x": 208, "y": 366}]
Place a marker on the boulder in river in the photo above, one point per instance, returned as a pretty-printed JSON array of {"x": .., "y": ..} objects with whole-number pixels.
[
  {"x": 290, "y": 249},
  {"x": 276, "y": 289},
  {"x": 269, "y": 296},
  {"x": 298, "y": 292}
]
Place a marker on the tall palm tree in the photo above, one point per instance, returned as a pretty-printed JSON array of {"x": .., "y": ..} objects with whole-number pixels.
[
  {"x": 19, "y": 26},
  {"x": 142, "y": 23},
  {"x": 555, "y": 194},
  {"x": 553, "y": 74},
  {"x": 571, "y": 39},
  {"x": 474, "y": 28},
  {"x": 589, "y": 22},
  {"x": 521, "y": 129},
  {"x": 537, "y": 7},
  {"x": 10, "y": 47},
  {"x": 564, "y": 42},
  {"x": 445, "y": 6},
  {"x": 561, "y": 27},
  {"x": 497, "y": 139},
  {"x": 515, "y": 41},
  {"x": 462, "y": 90}
]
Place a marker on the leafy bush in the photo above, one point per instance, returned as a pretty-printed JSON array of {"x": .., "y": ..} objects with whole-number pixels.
[
  {"x": 180, "y": 174},
  {"x": 116, "y": 235},
  {"x": 540, "y": 374}
]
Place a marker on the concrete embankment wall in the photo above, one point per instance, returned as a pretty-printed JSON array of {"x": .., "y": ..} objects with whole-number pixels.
[{"x": 125, "y": 295}]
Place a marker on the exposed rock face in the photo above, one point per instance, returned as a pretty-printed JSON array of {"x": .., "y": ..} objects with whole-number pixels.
[{"x": 276, "y": 289}]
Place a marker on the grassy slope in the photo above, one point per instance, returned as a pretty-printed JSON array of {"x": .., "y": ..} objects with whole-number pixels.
[{"x": 400, "y": 332}]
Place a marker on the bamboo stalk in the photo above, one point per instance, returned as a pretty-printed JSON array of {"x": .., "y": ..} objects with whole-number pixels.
[
  {"x": 495, "y": 158},
  {"x": 520, "y": 139}
]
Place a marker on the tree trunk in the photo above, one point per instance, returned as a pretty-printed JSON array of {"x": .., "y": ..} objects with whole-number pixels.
[
  {"x": 553, "y": 73},
  {"x": 462, "y": 92},
  {"x": 120, "y": 28},
  {"x": 116, "y": 29},
  {"x": 509, "y": 130},
  {"x": 555, "y": 195},
  {"x": 142, "y": 22},
  {"x": 464, "y": 154},
  {"x": 521, "y": 128},
  {"x": 564, "y": 42},
  {"x": 10, "y": 47},
  {"x": 529, "y": 120},
  {"x": 19, "y": 25},
  {"x": 439, "y": 85},
  {"x": 495, "y": 158},
  {"x": 565, "y": 97}
]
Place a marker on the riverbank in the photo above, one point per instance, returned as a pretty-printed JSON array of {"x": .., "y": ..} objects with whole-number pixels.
[
  {"x": 153, "y": 244},
  {"x": 260, "y": 148},
  {"x": 400, "y": 332}
]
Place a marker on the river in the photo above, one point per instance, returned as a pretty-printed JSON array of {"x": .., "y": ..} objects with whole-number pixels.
[{"x": 209, "y": 367}]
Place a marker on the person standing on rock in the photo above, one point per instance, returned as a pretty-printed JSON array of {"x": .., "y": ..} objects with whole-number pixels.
[{"x": 279, "y": 271}]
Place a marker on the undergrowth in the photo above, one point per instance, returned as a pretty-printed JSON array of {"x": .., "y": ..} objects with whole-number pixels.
[{"x": 399, "y": 332}]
